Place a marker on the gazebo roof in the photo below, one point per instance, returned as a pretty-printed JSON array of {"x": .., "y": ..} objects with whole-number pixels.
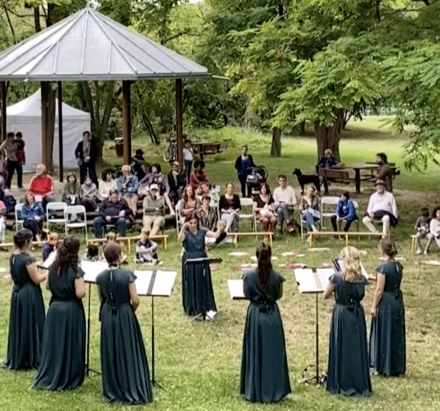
[{"x": 91, "y": 46}]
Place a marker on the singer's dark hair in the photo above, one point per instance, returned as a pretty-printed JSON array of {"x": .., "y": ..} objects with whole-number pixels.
[
  {"x": 388, "y": 247},
  {"x": 264, "y": 254},
  {"x": 67, "y": 256},
  {"x": 23, "y": 237}
]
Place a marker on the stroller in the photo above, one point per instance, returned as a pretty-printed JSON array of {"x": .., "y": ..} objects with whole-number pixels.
[{"x": 256, "y": 176}]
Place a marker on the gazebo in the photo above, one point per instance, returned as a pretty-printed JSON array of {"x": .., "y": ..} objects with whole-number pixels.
[{"x": 90, "y": 46}]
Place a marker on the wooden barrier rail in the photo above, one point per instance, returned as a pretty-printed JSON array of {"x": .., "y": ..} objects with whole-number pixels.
[{"x": 344, "y": 234}]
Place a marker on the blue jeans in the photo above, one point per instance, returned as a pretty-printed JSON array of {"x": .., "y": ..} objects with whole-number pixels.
[
  {"x": 188, "y": 166},
  {"x": 347, "y": 221},
  {"x": 308, "y": 218},
  {"x": 100, "y": 222}
]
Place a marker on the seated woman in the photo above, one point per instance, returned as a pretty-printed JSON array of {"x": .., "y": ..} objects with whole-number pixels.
[
  {"x": 143, "y": 172},
  {"x": 264, "y": 208},
  {"x": 106, "y": 184},
  {"x": 230, "y": 207},
  {"x": 207, "y": 215},
  {"x": 176, "y": 182},
  {"x": 198, "y": 176},
  {"x": 128, "y": 185},
  {"x": 206, "y": 190},
  {"x": 89, "y": 195},
  {"x": 345, "y": 212},
  {"x": 33, "y": 216},
  {"x": 310, "y": 208},
  {"x": 72, "y": 190},
  {"x": 189, "y": 202}
]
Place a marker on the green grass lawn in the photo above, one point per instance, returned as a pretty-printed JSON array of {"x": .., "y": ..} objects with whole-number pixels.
[{"x": 199, "y": 363}]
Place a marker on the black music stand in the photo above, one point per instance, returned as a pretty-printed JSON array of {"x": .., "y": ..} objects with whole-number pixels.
[
  {"x": 88, "y": 369},
  {"x": 205, "y": 262}
]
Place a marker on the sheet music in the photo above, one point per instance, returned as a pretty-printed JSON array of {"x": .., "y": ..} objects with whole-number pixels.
[
  {"x": 92, "y": 269},
  {"x": 163, "y": 283},
  {"x": 306, "y": 281},
  {"x": 235, "y": 288},
  {"x": 324, "y": 274},
  {"x": 49, "y": 260},
  {"x": 341, "y": 265}
]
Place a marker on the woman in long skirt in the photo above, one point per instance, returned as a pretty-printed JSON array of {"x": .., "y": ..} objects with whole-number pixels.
[
  {"x": 64, "y": 338},
  {"x": 387, "y": 338},
  {"x": 264, "y": 372},
  {"x": 26, "y": 320},
  {"x": 348, "y": 365},
  {"x": 197, "y": 292},
  {"x": 125, "y": 375}
]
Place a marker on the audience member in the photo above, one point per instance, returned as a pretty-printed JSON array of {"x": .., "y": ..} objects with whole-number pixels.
[
  {"x": 285, "y": 201},
  {"x": 41, "y": 186},
  {"x": 198, "y": 176},
  {"x": 112, "y": 211},
  {"x": 50, "y": 246},
  {"x": 138, "y": 161},
  {"x": 207, "y": 215},
  {"x": 89, "y": 195},
  {"x": 384, "y": 171},
  {"x": 2, "y": 218},
  {"x": 310, "y": 209},
  {"x": 86, "y": 154},
  {"x": 162, "y": 182},
  {"x": 10, "y": 146},
  {"x": 328, "y": 161},
  {"x": 128, "y": 185},
  {"x": 92, "y": 253},
  {"x": 176, "y": 182},
  {"x": 188, "y": 158},
  {"x": 189, "y": 202},
  {"x": 72, "y": 190},
  {"x": 33, "y": 215},
  {"x": 434, "y": 229},
  {"x": 345, "y": 212},
  {"x": 243, "y": 163},
  {"x": 206, "y": 191},
  {"x": 422, "y": 229},
  {"x": 143, "y": 171},
  {"x": 107, "y": 184},
  {"x": 230, "y": 207},
  {"x": 146, "y": 249},
  {"x": 264, "y": 208},
  {"x": 21, "y": 155},
  {"x": 112, "y": 239},
  {"x": 381, "y": 207},
  {"x": 154, "y": 210}
]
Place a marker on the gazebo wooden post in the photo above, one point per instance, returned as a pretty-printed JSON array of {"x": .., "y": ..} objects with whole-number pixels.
[
  {"x": 126, "y": 114},
  {"x": 3, "y": 110},
  {"x": 179, "y": 121},
  {"x": 44, "y": 96},
  {"x": 60, "y": 130}
]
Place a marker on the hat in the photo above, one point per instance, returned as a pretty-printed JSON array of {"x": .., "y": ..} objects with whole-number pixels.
[
  {"x": 379, "y": 183},
  {"x": 139, "y": 151},
  {"x": 154, "y": 187}
]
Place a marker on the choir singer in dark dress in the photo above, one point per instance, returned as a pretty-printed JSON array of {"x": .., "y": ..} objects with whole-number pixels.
[
  {"x": 197, "y": 292},
  {"x": 64, "y": 338},
  {"x": 387, "y": 338},
  {"x": 125, "y": 374},
  {"x": 26, "y": 320},
  {"x": 348, "y": 365},
  {"x": 264, "y": 371}
]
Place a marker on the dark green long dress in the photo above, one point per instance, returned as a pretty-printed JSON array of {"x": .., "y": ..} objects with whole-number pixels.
[
  {"x": 26, "y": 320},
  {"x": 64, "y": 339},
  {"x": 387, "y": 338},
  {"x": 125, "y": 375},
  {"x": 348, "y": 365},
  {"x": 197, "y": 292},
  {"x": 264, "y": 372}
]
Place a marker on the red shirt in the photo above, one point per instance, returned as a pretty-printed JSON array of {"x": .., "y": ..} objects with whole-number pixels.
[{"x": 41, "y": 186}]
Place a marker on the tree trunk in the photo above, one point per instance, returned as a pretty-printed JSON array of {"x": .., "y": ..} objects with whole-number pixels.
[
  {"x": 328, "y": 137},
  {"x": 275, "y": 149},
  {"x": 50, "y": 129},
  {"x": 302, "y": 128}
]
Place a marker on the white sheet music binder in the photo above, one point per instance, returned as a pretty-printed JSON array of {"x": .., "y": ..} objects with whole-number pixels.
[
  {"x": 49, "y": 260},
  {"x": 162, "y": 285},
  {"x": 92, "y": 269},
  {"x": 312, "y": 282},
  {"x": 235, "y": 288}
]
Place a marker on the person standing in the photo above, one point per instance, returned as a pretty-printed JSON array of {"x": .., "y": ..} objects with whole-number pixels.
[
  {"x": 387, "y": 337},
  {"x": 243, "y": 163},
  {"x": 264, "y": 371},
  {"x": 62, "y": 364},
  {"x": 197, "y": 292},
  {"x": 188, "y": 158},
  {"x": 125, "y": 374},
  {"x": 26, "y": 320},
  {"x": 285, "y": 201},
  {"x": 176, "y": 182},
  {"x": 348, "y": 363},
  {"x": 11, "y": 147},
  {"x": 86, "y": 155}
]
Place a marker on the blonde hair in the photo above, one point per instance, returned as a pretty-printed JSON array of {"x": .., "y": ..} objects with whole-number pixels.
[
  {"x": 53, "y": 236},
  {"x": 111, "y": 236},
  {"x": 352, "y": 264},
  {"x": 146, "y": 232}
]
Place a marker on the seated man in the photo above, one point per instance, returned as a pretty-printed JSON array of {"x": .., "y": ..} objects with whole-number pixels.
[
  {"x": 41, "y": 186},
  {"x": 176, "y": 182},
  {"x": 382, "y": 206},
  {"x": 113, "y": 210},
  {"x": 328, "y": 161},
  {"x": 384, "y": 171},
  {"x": 154, "y": 210},
  {"x": 345, "y": 211},
  {"x": 285, "y": 201}
]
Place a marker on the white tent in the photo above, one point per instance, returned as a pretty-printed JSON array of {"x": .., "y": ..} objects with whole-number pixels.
[{"x": 25, "y": 116}]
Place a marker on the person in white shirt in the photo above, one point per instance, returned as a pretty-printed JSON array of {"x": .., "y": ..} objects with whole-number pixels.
[
  {"x": 381, "y": 207},
  {"x": 188, "y": 157},
  {"x": 107, "y": 184},
  {"x": 285, "y": 201},
  {"x": 434, "y": 230}
]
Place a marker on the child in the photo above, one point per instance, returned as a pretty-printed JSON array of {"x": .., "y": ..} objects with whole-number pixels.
[
  {"x": 89, "y": 195},
  {"x": 50, "y": 246},
  {"x": 111, "y": 238},
  {"x": 146, "y": 249},
  {"x": 422, "y": 228},
  {"x": 21, "y": 157},
  {"x": 92, "y": 253},
  {"x": 188, "y": 156}
]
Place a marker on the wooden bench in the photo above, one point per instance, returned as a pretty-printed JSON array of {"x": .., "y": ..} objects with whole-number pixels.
[
  {"x": 267, "y": 235},
  {"x": 344, "y": 234},
  {"x": 335, "y": 175},
  {"x": 128, "y": 240}
]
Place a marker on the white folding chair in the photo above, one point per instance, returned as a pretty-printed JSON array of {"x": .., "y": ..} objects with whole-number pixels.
[
  {"x": 18, "y": 220},
  {"x": 78, "y": 210},
  {"x": 304, "y": 225},
  {"x": 247, "y": 202},
  {"x": 55, "y": 206},
  {"x": 328, "y": 201},
  {"x": 356, "y": 207}
]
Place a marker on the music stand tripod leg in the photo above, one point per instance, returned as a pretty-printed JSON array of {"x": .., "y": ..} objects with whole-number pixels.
[
  {"x": 153, "y": 381},
  {"x": 88, "y": 369}
]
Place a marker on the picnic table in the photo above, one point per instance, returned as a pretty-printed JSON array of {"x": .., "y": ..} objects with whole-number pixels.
[
  {"x": 204, "y": 148},
  {"x": 358, "y": 167}
]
